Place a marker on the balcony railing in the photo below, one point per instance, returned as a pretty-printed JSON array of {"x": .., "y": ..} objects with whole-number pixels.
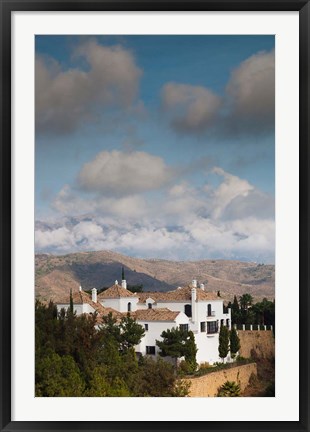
[{"x": 211, "y": 314}]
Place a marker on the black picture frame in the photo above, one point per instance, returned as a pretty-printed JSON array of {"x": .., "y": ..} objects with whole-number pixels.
[{"x": 7, "y": 7}]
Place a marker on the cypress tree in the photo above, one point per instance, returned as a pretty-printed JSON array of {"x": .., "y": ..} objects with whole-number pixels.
[
  {"x": 223, "y": 342},
  {"x": 235, "y": 311},
  {"x": 123, "y": 273},
  {"x": 71, "y": 302},
  {"x": 234, "y": 342}
]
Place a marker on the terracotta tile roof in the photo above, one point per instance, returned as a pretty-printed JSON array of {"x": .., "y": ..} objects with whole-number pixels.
[
  {"x": 81, "y": 297},
  {"x": 145, "y": 295},
  {"x": 184, "y": 294},
  {"x": 180, "y": 294},
  {"x": 162, "y": 314},
  {"x": 106, "y": 310},
  {"x": 115, "y": 291}
]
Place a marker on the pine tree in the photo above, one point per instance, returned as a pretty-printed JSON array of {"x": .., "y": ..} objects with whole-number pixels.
[
  {"x": 234, "y": 342},
  {"x": 123, "y": 273},
  {"x": 223, "y": 342},
  {"x": 178, "y": 343}
]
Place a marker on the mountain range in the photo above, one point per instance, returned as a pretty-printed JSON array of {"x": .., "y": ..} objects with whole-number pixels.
[{"x": 57, "y": 274}]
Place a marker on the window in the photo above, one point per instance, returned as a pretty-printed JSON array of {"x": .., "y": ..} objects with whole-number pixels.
[
  {"x": 150, "y": 350},
  {"x": 149, "y": 305},
  {"x": 188, "y": 310},
  {"x": 212, "y": 327},
  {"x": 203, "y": 326},
  {"x": 222, "y": 322},
  {"x": 227, "y": 322},
  {"x": 146, "y": 327},
  {"x": 129, "y": 307},
  {"x": 209, "y": 310},
  {"x": 184, "y": 327}
]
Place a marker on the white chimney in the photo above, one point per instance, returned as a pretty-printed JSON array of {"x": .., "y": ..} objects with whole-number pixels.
[
  {"x": 194, "y": 283},
  {"x": 80, "y": 288},
  {"x": 116, "y": 282},
  {"x": 124, "y": 284},
  {"x": 202, "y": 287},
  {"x": 94, "y": 295},
  {"x": 194, "y": 304}
]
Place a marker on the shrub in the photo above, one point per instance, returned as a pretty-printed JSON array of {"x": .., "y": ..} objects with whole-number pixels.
[
  {"x": 204, "y": 366},
  {"x": 229, "y": 389}
]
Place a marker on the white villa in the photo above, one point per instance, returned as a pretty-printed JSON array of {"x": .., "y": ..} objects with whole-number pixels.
[{"x": 190, "y": 307}]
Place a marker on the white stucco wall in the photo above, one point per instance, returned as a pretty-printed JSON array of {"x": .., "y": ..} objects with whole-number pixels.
[
  {"x": 77, "y": 308},
  {"x": 155, "y": 329},
  {"x": 121, "y": 305}
]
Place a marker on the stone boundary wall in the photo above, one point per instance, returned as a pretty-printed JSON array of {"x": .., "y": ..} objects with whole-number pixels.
[
  {"x": 207, "y": 385},
  {"x": 256, "y": 344}
]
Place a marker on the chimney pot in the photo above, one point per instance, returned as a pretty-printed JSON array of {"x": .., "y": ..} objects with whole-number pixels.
[
  {"x": 94, "y": 295},
  {"x": 124, "y": 283}
]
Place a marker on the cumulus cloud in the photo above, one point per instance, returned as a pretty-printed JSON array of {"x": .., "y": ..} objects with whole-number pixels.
[
  {"x": 65, "y": 98},
  {"x": 193, "y": 108},
  {"x": 124, "y": 173},
  {"x": 57, "y": 239},
  {"x": 252, "y": 203},
  {"x": 251, "y": 92},
  {"x": 247, "y": 105},
  {"x": 230, "y": 188}
]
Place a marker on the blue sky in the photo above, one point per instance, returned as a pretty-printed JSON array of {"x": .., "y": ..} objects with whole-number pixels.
[{"x": 156, "y": 146}]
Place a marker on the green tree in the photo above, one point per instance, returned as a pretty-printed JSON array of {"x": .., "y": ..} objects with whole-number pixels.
[
  {"x": 235, "y": 312},
  {"x": 246, "y": 301},
  {"x": 158, "y": 378},
  {"x": 223, "y": 342},
  {"x": 131, "y": 332},
  {"x": 264, "y": 312},
  {"x": 135, "y": 288},
  {"x": 58, "y": 376},
  {"x": 123, "y": 273},
  {"x": 229, "y": 389},
  {"x": 234, "y": 342},
  {"x": 178, "y": 343},
  {"x": 110, "y": 328},
  {"x": 190, "y": 352},
  {"x": 71, "y": 302}
]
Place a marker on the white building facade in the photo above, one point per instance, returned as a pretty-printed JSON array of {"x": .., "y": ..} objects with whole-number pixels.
[{"x": 190, "y": 307}]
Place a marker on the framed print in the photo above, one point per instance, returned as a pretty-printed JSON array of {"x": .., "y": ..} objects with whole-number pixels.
[{"x": 154, "y": 215}]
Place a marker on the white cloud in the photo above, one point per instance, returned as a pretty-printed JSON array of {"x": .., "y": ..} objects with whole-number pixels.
[
  {"x": 67, "y": 97},
  {"x": 231, "y": 220},
  {"x": 58, "y": 239},
  {"x": 231, "y": 188},
  {"x": 124, "y": 173}
]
